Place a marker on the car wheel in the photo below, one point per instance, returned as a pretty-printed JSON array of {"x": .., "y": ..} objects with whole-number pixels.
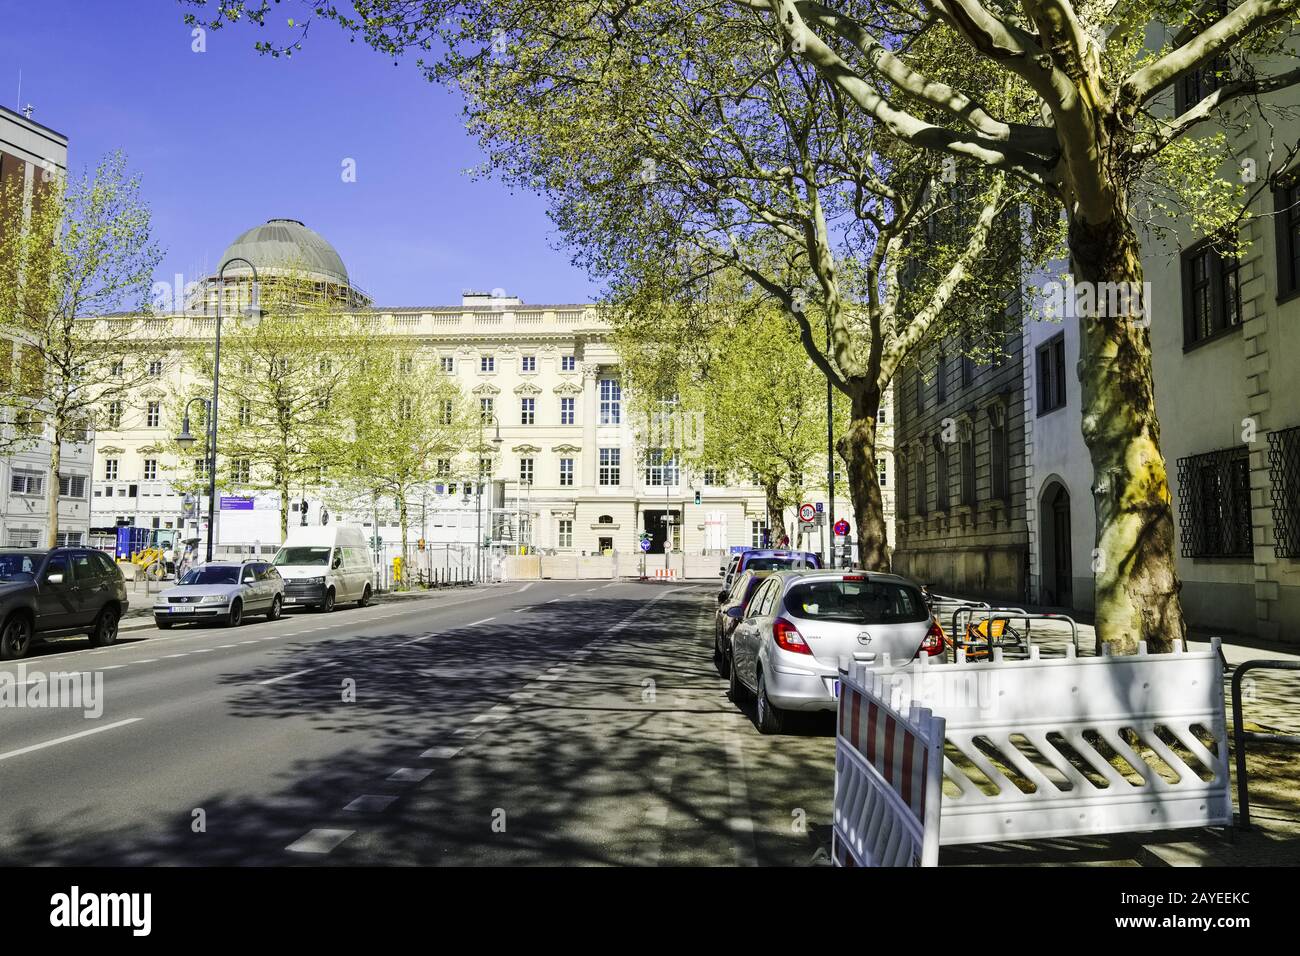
[
  {"x": 720, "y": 657},
  {"x": 15, "y": 637},
  {"x": 735, "y": 688},
  {"x": 105, "y": 631},
  {"x": 365, "y": 597},
  {"x": 274, "y": 613},
  {"x": 162, "y": 625},
  {"x": 327, "y": 604},
  {"x": 236, "y": 617},
  {"x": 769, "y": 719}
]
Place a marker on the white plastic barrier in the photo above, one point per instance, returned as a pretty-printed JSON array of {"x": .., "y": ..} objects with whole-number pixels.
[
  {"x": 888, "y": 779},
  {"x": 1059, "y": 726}
]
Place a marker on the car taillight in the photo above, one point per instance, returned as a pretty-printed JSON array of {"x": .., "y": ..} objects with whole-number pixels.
[
  {"x": 934, "y": 642},
  {"x": 788, "y": 638}
]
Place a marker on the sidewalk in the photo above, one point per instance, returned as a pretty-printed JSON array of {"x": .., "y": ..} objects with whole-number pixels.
[{"x": 1270, "y": 703}]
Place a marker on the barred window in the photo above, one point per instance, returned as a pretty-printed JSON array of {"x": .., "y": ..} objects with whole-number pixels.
[
  {"x": 999, "y": 458},
  {"x": 941, "y": 477},
  {"x": 1284, "y": 477},
  {"x": 918, "y": 483},
  {"x": 967, "y": 455},
  {"x": 26, "y": 483},
  {"x": 1214, "y": 504}
]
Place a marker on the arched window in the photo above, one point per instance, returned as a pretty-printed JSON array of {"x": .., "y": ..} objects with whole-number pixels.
[{"x": 605, "y": 519}]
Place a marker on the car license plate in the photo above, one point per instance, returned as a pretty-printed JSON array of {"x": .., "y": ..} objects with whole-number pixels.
[
  {"x": 182, "y": 609},
  {"x": 289, "y": 600}
]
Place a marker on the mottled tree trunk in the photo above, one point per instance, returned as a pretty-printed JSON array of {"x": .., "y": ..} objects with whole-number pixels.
[
  {"x": 1135, "y": 572},
  {"x": 403, "y": 519},
  {"x": 775, "y": 513},
  {"x": 285, "y": 504},
  {"x": 857, "y": 446},
  {"x": 52, "y": 492}
]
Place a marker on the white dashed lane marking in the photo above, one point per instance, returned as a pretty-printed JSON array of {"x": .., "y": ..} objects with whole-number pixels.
[
  {"x": 477, "y": 623},
  {"x": 319, "y": 841},
  {"x": 409, "y": 774},
  {"x": 276, "y": 680},
  {"x": 370, "y": 803},
  {"x": 62, "y": 740},
  {"x": 440, "y": 753}
]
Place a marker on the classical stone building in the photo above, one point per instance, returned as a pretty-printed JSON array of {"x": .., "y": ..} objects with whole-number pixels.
[
  {"x": 572, "y": 475},
  {"x": 959, "y": 447}
]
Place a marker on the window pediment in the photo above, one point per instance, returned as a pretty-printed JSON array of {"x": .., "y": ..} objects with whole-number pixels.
[
  {"x": 527, "y": 388},
  {"x": 487, "y": 388},
  {"x": 566, "y": 448},
  {"x": 568, "y": 388}
]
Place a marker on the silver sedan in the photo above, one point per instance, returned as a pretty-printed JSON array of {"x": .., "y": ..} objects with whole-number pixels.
[
  {"x": 799, "y": 626},
  {"x": 225, "y": 591}
]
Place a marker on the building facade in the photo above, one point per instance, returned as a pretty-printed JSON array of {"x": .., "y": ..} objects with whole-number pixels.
[
  {"x": 571, "y": 474},
  {"x": 33, "y": 159},
  {"x": 1225, "y": 340},
  {"x": 959, "y": 446}
]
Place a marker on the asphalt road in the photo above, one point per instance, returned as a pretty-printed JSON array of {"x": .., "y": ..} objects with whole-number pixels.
[{"x": 543, "y": 724}]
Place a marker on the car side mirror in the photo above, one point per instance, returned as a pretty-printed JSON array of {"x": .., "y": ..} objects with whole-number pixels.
[
  {"x": 736, "y": 612},
  {"x": 336, "y": 563},
  {"x": 54, "y": 578},
  {"x": 722, "y": 572}
]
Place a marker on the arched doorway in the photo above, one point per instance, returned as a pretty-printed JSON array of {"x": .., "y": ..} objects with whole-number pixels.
[{"x": 1057, "y": 570}]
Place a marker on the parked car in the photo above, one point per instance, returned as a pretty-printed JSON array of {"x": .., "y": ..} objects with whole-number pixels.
[
  {"x": 769, "y": 559},
  {"x": 55, "y": 593},
  {"x": 728, "y": 574},
  {"x": 798, "y": 626},
  {"x": 325, "y": 565},
  {"x": 724, "y": 623},
  {"x": 226, "y": 591}
]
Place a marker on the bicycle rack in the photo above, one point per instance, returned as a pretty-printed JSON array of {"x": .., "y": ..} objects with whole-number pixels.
[{"x": 1240, "y": 735}]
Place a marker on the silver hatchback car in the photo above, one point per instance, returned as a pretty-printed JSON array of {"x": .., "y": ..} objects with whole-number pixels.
[
  {"x": 799, "y": 626},
  {"x": 222, "y": 590}
]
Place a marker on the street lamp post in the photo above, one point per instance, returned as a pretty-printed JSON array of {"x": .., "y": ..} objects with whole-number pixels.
[
  {"x": 185, "y": 439},
  {"x": 478, "y": 486}
]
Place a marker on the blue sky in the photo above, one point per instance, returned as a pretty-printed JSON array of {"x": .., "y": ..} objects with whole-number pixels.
[{"x": 226, "y": 139}]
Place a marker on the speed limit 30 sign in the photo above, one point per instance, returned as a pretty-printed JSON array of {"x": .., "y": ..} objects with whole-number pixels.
[{"x": 807, "y": 513}]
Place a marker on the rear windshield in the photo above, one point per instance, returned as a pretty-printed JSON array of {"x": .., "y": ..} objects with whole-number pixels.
[
  {"x": 17, "y": 566},
  {"x": 780, "y": 564},
  {"x": 857, "y": 602},
  {"x": 302, "y": 556}
]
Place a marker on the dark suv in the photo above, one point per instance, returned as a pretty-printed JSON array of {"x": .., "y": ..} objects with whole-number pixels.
[{"x": 58, "y": 592}]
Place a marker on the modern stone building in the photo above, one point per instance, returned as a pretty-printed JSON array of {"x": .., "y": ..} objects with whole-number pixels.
[
  {"x": 573, "y": 475},
  {"x": 33, "y": 159}
]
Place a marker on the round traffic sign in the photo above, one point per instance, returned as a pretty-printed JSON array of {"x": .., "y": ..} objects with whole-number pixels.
[
  {"x": 645, "y": 544},
  {"x": 841, "y": 528},
  {"x": 807, "y": 512}
]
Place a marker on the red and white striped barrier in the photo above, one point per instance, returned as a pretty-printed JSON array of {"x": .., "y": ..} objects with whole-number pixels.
[
  {"x": 888, "y": 779},
  {"x": 665, "y": 574}
]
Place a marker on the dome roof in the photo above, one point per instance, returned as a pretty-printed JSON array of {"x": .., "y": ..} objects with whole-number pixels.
[{"x": 287, "y": 244}]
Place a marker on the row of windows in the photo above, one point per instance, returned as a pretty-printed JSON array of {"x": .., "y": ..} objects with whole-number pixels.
[
  {"x": 966, "y": 369},
  {"x": 33, "y": 483},
  {"x": 914, "y": 494},
  {"x": 527, "y": 411},
  {"x": 527, "y": 363}
]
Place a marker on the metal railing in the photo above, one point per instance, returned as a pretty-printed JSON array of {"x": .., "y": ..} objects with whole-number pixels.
[{"x": 1240, "y": 735}]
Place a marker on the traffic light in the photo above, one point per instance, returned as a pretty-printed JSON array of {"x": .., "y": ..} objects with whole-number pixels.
[{"x": 697, "y": 496}]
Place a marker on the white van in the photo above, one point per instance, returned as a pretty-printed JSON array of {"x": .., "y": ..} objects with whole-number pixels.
[{"x": 324, "y": 566}]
